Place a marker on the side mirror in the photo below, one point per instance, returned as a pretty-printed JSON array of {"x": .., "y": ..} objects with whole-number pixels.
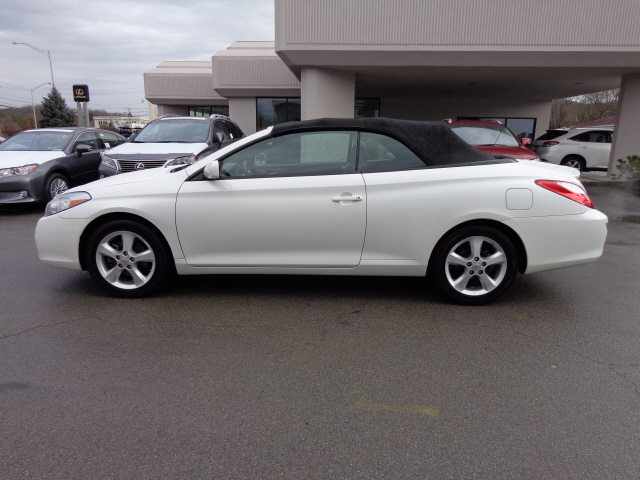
[
  {"x": 212, "y": 170},
  {"x": 219, "y": 138},
  {"x": 526, "y": 141},
  {"x": 82, "y": 148}
]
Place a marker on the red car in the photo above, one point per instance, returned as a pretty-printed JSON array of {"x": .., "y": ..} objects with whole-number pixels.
[{"x": 493, "y": 138}]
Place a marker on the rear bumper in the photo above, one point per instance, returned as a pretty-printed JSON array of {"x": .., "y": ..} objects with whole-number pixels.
[
  {"x": 58, "y": 241},
  {"x": 561, "y": 241}
]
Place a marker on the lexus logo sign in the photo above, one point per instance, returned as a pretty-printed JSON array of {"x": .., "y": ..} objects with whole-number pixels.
[
  {"x": 139, "y": 166},
  {"x": 80, "y": 93}
]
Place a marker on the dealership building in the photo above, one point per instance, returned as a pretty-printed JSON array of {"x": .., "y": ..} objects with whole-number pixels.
[{"x": 418, "y": 60}]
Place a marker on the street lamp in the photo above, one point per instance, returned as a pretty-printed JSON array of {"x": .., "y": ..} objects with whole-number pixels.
[
  {"x": 44, "y": 52},
  {"x": 35, "y": 122}
]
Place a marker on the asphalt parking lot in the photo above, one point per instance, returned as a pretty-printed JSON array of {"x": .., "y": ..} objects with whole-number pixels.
[{"x": 333, "y": 378}]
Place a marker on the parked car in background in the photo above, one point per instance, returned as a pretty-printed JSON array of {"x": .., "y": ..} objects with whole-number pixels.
[
  {"x": 581, "y": 148},
  {"x": 493, "y": 138},
  {"x": 171, "y": 140},
  {"x": 366, "y": 196},
  {"x": 37, "y": 165}
]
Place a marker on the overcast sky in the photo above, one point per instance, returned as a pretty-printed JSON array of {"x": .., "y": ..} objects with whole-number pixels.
[{"x": 109, "y": 44}]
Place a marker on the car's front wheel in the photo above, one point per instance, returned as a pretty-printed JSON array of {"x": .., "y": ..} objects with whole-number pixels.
[
  {"x": 55, "y": 185},
  {"x": 474, "y": 265},
  {"x": 127, "y": 259}
]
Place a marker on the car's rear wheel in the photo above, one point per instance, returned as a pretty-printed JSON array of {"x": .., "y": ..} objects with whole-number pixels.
[
  {"x": 474, "y": 265},
  {"x": 55, "y": 185},
  {"x": 127, "y": 259},
  {"x": 574, "y": 161}
]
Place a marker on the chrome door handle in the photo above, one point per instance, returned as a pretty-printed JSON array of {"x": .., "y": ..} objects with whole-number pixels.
[{"x": 351, "y": 198}]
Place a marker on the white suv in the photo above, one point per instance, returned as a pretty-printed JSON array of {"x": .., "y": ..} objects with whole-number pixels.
[{"x": 581, "y": 148}]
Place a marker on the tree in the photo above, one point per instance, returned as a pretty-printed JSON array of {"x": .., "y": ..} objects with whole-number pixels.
[
  {"x": 598, "y": 105},
  {"x": 560, "y": 113},
  {"x": 55, "y": 112}
]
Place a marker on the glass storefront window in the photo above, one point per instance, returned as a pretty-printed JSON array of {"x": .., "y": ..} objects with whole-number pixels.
[
  {"x": 272, "y": 111},
  {"x": 206, "y": 111},
  {"x": 366, "y": 108}
]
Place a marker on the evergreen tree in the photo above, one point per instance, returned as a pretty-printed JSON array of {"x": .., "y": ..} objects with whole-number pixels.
[{"x": 55, "y": 112}]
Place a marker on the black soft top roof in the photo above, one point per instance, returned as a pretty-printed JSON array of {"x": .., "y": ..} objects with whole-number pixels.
[{"x": 433, "y": 142}]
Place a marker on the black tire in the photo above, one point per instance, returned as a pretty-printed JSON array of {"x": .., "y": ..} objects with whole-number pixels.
[
  {"x": 473, "y": 274},
  {"x": 120, "y": 277},
  {"x": 52, "y": 183},
  {"x": 574, "y": 161}
]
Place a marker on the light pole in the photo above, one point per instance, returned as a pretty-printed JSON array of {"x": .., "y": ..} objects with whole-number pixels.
[
  {"x": 35, "y": 122},
  {"x": 44, "y": 52}
]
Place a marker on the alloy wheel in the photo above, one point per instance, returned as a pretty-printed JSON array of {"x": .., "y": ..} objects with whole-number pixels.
[
  {"x": 476, "y": 266},
  {"x": 125, "y": 260},
  {"x": 57, "y": 187},
  {"x": 573, "y": 164}
]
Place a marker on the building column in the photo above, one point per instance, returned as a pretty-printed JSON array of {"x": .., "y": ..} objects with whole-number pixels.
[
  {"x": 242, "y": 110},
  {"x": 327, "y": 93},
  {"x": 626, "y": 140}
]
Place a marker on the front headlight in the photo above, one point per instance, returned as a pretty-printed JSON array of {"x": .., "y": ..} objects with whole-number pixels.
[
  {"x": 65, "y": 202},
  {"x": 528, "y": 159},
  {"x": 9, "y": 172},
  {"x": 176, "y": 162},
  {"x": 109, "y": 162}
]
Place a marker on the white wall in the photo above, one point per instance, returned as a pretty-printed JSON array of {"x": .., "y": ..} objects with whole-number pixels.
[
  {"x": 242, "y": 110},
  {"x": 327, "y": 93},
  {"x": 173, "y": 109},
  {"x": 626, "y": 140},
  {"x": 441, "y": 108}
]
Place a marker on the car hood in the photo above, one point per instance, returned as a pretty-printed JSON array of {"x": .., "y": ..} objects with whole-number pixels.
[
  {"x": 131, "y": 177},
  {"x": 156, "y": 148},
  {"x": 520, "y": 153},
  {"x": 10, "y": 158}
]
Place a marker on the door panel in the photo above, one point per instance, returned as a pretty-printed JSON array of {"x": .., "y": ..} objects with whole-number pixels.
[
  {"x": 85, "y": 168},
  {"x": 280, "y": 221}
]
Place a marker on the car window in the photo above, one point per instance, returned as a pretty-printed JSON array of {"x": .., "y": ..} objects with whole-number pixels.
[
  {"x": 87, "y": 138},
  {"x": 296, "y": 154},
  {"x": 379, "y": 153},
  {"x": 109, "y": 140},
  {"x": 551, "y": 134},
  {"x": 234, "y": 133},
  {"x": 486, "y": 135},
  {"x": 594, "y": 136},
  {"x": 192, "y": 130},
  {"x": 38, "y": 141},
  {"x": 218, "y": 127}
]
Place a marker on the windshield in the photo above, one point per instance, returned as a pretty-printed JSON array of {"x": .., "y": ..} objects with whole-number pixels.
[
  {"x": 180, "y": 131},
  {"x": 37, "y": 141},
  {"x": 486, "y": 135}
]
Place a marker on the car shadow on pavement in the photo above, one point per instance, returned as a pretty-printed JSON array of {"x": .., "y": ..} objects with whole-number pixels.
[
  {"x": 525, "y": 289},
  {"x": 21, "y": 209}
]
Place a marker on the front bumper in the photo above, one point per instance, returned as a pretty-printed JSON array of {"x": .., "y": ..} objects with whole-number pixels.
[
  {"x": 11, "y": 188},
  {"x": 58, "y": 241}
]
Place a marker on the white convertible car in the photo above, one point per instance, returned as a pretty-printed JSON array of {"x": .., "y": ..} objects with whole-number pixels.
[{"x": 330, "y": 197}]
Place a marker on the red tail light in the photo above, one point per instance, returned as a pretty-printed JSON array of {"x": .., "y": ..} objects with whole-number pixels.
[
  {"x": 549, "y": 144},
  {"x": 567, "y": 190}
]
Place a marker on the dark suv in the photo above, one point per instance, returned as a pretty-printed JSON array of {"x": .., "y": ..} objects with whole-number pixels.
[{"x": 171, "y": 140}]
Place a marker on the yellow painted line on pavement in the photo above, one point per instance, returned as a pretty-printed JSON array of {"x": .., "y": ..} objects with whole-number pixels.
[{"x": 382, "y": 407}]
